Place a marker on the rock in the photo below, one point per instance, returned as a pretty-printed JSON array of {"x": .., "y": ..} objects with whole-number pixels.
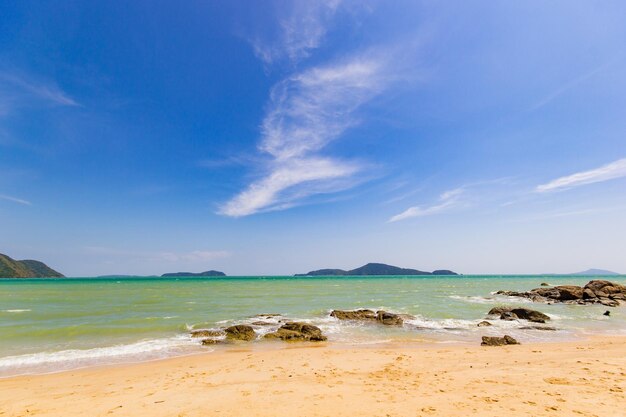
[
  {"x": 608, "y": 302},
  {"x": 353, "y": 315},
  {"x": 484, "y": 323},
  {"x": 261, "y": 323},
  {"x": 588, "y": 294},
  {"x": 530, "y": 315},
  {"x": 569, "y": 292},
  {"x": 268, "y": 316},
  {"x": 606, "y": 287},
  {"x": 544, "y": 284},
  {"x": 606, "y": 313},
  {"x": 389, "y": 319},
  {"x": 510, "y": 313},
  {"x": 240, "y": 332},
  {"x": 498, "y": 341},
  {"x": 207, "y": 333},
  {"x": 206, "y": 342},
  {"x": 297, "y": 331}
]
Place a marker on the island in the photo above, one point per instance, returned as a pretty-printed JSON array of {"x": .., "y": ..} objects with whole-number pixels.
[
  {"x": 194, "y": 274},
  {"x": 28, "y": 268},
  {"x": 597, "y": 272},
  {"x": 375, "y": 269}
]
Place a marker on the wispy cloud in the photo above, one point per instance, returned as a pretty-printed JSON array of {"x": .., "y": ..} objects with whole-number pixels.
[
  {"x": 607, "y": 172},
  {"x": 15, "y": 200},
  {"x": 305, "y": 113},
  {"x": 568, "y": 86},
  {"x": 447, "y": 200},
  {"x": 22, "y": 85},
  {"x": 303, "y": 26}
]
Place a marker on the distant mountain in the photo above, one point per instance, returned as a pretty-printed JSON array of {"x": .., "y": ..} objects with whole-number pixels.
[
  {"x": 10, "y": 268},
  {"x": 595, "y": 272},
  {"x": 375, "y": 269},
  {"x": 192, "y": 274}
]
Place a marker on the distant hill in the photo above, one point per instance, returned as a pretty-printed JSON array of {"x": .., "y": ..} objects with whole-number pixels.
[
  {"x": 10, "y": 268},
  {"x": 595, "y": 272},
  {"x": 375, "y": 269},
  {"x": 192, "y": 274}
]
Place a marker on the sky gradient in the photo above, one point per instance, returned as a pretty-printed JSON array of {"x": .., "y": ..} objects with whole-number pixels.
[{"x": 280, "y": 137}]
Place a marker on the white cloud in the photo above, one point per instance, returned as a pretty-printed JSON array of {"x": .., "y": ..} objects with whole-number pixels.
[
  {"x": 15, "y": 200},
  {"x": 303, "y": 26},
  {"x": 447, "y": 200},
  {"x": 305, "y": 113},
  {"x": 607, "y": 172}
]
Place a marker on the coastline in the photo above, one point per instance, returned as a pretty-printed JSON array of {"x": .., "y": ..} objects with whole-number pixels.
[{"x": 585, "y": 377}]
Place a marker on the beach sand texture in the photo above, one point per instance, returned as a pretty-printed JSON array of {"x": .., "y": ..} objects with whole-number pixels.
[{"x": 584, "y": 378}]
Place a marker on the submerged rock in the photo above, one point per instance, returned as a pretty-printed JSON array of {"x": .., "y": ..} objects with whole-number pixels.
[
  {"x": 353, "y": 314},
  {"x": 297, "y": 331},
  {"x": 206, "y": 342},
  {"x": 514, "y": 313},
  {"x": 240, "y": 332},
  {"x": 538, "y": 328},
  {"x": 207, "y": 333},
  {"x": 389, "y": 319},
  {"x": 484, "y": 323},
  {"x": 498, "y": 341}
]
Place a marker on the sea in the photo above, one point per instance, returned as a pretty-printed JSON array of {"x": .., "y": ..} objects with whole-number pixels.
[{"x": 55, "y": 324}]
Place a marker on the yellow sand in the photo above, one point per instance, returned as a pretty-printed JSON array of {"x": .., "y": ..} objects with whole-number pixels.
[{"x": 585, "y": 378}]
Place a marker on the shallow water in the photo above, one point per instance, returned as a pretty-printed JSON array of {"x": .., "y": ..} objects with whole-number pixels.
[{"x": 54, "y": 324}]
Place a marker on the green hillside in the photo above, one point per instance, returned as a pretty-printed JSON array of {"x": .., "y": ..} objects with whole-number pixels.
[{"x": 10, "y": 268}]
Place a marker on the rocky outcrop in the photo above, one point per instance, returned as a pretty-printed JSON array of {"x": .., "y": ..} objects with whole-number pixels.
[
  {"x": 381, "y": 316},
  {"x": 498, "y": 341},
  {"x": 353, "y": 315},
  {"x": 297, "y": 331},
  {"x": 484, "y": 323},
  {"x": 515, "y": 313},
  {"x": 240, "y": 332},
  {"x": 207, "y": 333},
  {"x": 602, "y": 292}
]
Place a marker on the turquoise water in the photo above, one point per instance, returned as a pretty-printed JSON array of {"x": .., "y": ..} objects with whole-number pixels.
[{"x": 53, "y": 324}]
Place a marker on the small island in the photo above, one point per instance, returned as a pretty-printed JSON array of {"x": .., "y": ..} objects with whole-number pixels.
[
  {"x": 28, "y": 268},
  {"x": 375, "y": 269},
  {"x": 194, "y": 274}
]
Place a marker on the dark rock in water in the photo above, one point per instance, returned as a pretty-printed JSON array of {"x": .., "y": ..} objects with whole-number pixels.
[
  {"x": 207, "y": 333},
  {"x": 569, "y": 292},
  {"x": 354, "y": 315},
  {"x": 240, "y": 332},
  {"x": 530, "y": 315},
  {"x": 261, "y": 323},
  {"x": 510, "y": 313},
  {"x": 597, "y": 291},
  {"x": 206, "y": 342},
  {"x": 296, "y": 331},
  {"x": 498, "y": 341},
  {"x": 606, "y": 313},
  {"x": 538, "y": 328},
  {"x": 544, "y": 284},
  {"x": 268, "y": 316},
  {"x": 484, "y": 323},
  {"x": 389, "y": 319}
]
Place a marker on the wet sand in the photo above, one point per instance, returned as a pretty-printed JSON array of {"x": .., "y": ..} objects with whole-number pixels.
[{"x": 584, "y": 378}]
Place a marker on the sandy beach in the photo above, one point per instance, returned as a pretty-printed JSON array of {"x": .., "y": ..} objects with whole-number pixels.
[{"x": 585, "y": 378}]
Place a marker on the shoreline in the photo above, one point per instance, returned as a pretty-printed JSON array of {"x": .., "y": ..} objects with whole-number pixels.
[{"x": 584, "y": 377}]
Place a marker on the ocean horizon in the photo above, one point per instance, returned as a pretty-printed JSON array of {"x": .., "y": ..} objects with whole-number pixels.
[{"x": 55, "y": 324}]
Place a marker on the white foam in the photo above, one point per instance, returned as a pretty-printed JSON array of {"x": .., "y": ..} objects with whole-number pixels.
[
  {"x": 78, "y": 358},
  {"x": 17, "y": 310}
]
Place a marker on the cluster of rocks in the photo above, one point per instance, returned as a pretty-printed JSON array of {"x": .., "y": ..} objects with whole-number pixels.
[
  {"x": 381, "y": 317},
  {"x": 290, "y": 331},
  {"x": 602, "y": 292}
]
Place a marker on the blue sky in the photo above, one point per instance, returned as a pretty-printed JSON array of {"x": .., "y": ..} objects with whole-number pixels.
[{"x": 279, "y": 137}]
